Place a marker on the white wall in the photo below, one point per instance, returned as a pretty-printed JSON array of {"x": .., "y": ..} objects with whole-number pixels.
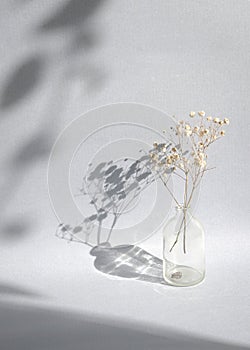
[{"x": 61, "y": 58}]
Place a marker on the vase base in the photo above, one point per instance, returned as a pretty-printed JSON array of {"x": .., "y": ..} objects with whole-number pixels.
[{"x": 182, "y": 276}]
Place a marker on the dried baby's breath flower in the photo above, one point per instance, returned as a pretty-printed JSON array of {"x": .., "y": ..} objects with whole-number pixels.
[
  {"x": 178, "y": 130},
  {"x": 196, "y": 129},
  {"x": 202, "y": 113},
  {"x": 199, "y": 159},
  {"x": 188, "y": 132},
  {"x": 188, "y": 160}
]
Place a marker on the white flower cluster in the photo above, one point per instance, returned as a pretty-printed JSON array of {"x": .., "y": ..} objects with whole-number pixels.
[{"x": 199, "y": 134}]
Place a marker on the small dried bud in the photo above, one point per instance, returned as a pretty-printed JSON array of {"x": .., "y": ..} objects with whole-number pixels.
[
  {"x": 202, "y": 113},
  {"x": 199, "y": 160},
  {"x": 187, "y": 127},
  {"x": 203, "y": 164},
  {"x": 206, "y": 131},
  {"x": 155, "y": 144},
  {"x": 221, "y": 122},
  {"x": 174, "y": 149},
  {"x": 209, "y": 118},
  {"x": 216, "y": 120},
  {"x": 192, "y": 114},
  {"x": 188, "y": 132},
  {"x": 178, "y": 130},
  {"x": 226, "y": 121},
  {"x": 222, "y": 133}
]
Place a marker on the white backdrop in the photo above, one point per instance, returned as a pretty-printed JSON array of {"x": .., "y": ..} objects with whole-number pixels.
[{"x": 61, "y": 58}]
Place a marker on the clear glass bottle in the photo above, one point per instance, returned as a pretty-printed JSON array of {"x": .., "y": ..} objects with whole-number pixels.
[{"x": 183, "y": 249}]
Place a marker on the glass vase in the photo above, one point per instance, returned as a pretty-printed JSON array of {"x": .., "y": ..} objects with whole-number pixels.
[{"x": 183, "y": 249}]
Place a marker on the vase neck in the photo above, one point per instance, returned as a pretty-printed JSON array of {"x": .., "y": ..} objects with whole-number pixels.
[{"x": 182, "y": 208}]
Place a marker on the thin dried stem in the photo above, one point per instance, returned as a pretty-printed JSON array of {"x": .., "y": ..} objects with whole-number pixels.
[{"x": 198, "y": 137}]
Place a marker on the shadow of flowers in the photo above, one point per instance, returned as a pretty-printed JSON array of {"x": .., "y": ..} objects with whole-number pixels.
[
  {"x": 112, "y": 188},
  {"x": 128, "y": 261}
]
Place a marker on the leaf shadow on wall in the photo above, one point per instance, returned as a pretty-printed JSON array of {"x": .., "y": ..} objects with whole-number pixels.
[
  {"x": 73, "y": 18},
  {"x": 71, "y": 62},
  {"x": 22, "y": 81},
  {"x": 34, "y": 150},
  {"x": 72, "y": 14}
]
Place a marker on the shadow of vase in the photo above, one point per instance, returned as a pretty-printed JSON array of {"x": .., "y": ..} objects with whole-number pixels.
[{"x": 128, "y": 261}]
